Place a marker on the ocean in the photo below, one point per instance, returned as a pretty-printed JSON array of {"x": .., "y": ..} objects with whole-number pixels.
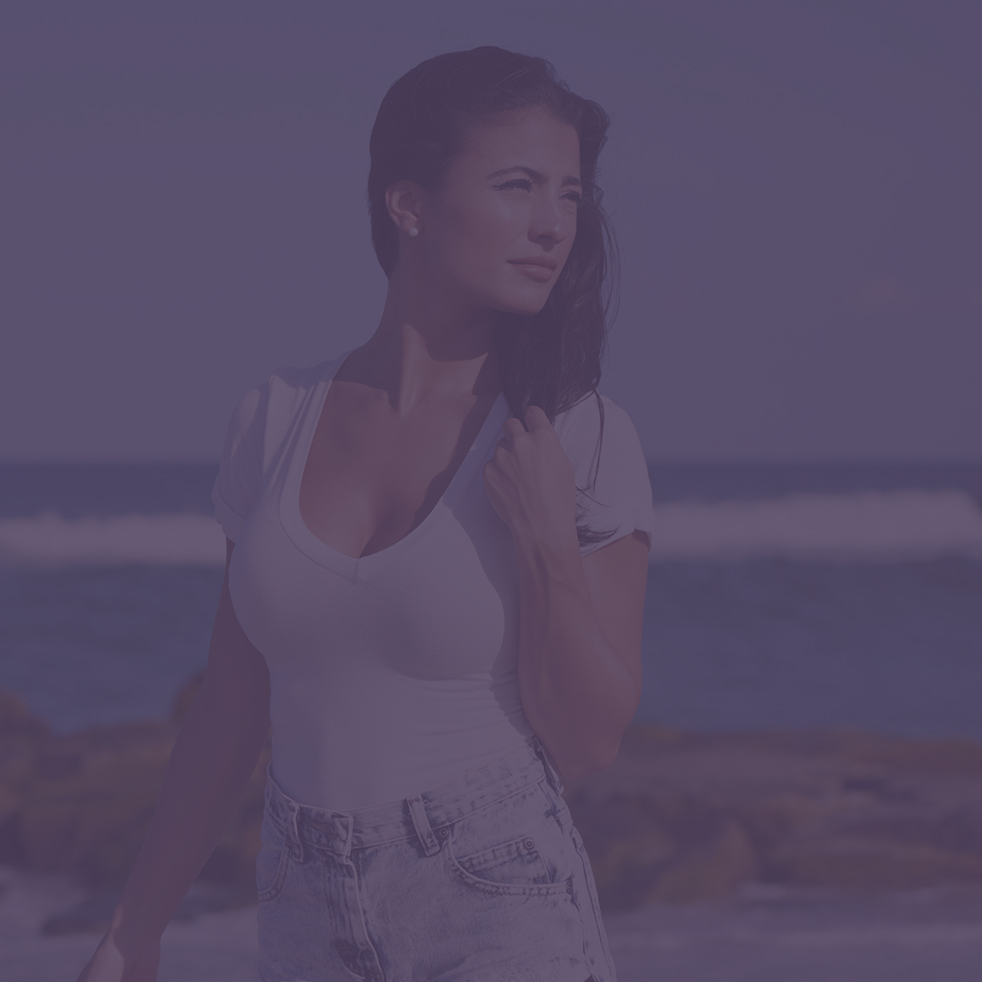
[{"x": 780, "y": 595}]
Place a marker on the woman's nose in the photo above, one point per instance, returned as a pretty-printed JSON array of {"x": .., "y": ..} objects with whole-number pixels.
[{"x": 552, "y": 220}]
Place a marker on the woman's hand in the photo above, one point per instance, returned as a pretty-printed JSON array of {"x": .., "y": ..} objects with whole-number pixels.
[
  {"x": 530, "y": 481},
  {"x": 131, "y": 964}
]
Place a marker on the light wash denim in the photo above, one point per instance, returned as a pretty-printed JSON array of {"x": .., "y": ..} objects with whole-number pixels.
[{"x": 483, "y": 879}]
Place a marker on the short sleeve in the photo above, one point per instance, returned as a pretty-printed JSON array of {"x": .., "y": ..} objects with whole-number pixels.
[
  {"x": 620, "y": 500},
  {"x": 240, "y": 470}
]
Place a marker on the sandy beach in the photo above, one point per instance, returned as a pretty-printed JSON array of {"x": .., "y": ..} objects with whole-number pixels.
[{"x": 761, "y": 935}]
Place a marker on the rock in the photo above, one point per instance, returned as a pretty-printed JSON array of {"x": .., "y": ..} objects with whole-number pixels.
[
  {"x": 81, "y": 803},
  {"x": 88, "y": 813},
  {"x": 677, "y": 817},
  {"x": 17, "y": 720},
  {"x": 906, "y": 844},
  {"x": 21, "y": 735},
  {"x": 710, "y": 869},
  {"x": 706, "y": 812},
  {"x": 10, "y": 804},
  {"x": 869, "y": 861},
  {"x": 627, "y": 842},
  {"x": 88, "y": 805},
  {"x": 17, "y": 757},
  {"x": 674, "y": 847}
]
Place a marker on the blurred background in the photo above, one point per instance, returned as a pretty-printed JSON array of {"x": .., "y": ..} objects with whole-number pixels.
[{"x": 795, "y": 191}]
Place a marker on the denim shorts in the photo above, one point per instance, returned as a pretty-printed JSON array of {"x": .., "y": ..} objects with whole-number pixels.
[{"x": 482, "y": 879}]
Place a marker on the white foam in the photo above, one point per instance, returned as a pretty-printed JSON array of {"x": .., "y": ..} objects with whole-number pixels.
[
  {"x": 865, "y": 526},
  {"x": 117, "y": 540},
  {"x": 871, "y": 526}
]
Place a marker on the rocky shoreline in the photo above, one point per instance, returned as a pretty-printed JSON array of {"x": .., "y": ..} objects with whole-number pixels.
[
  {"x": 680, "y": 817},
  {"x": 677, "y": 818}
]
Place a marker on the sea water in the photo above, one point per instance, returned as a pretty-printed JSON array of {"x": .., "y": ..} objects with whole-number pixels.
[{"x": 780, "y": 595}]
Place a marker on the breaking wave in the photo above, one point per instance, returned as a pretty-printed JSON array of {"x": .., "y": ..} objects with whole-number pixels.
[{"x": 874, "y": 526}]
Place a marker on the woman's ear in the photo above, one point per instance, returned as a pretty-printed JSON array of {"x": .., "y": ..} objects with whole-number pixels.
[{"x": 402, "y": 200}]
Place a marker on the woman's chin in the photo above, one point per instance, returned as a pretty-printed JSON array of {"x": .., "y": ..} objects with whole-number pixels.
[{"x": 524, "y": 306}]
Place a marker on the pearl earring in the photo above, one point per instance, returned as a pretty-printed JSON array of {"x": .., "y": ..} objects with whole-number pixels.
[{"x": 414, "y": 231}]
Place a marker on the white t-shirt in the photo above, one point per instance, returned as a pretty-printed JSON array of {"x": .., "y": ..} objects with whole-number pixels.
[{"x": 394, "y": 672}]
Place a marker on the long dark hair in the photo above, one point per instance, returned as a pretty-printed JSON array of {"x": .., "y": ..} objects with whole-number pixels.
[{"x": 550, "y": 359}]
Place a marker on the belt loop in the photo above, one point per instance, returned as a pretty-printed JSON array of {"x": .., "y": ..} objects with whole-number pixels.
[
  {"x": 295, "y": 831},
  {"x": 551, "y": 770},
  {"x": 422, "y": 824}
]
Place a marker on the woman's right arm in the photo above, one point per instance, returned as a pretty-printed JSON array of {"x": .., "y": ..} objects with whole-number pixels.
[{"x": 213, "y": 757}]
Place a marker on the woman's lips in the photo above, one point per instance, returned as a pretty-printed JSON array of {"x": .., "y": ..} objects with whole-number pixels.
[{"x": 537, "y": 272}]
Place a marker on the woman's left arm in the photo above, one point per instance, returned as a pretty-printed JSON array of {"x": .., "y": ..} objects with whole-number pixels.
[
  {"x": 580, "y": 617},
  {"x": 579, "y": 663}
]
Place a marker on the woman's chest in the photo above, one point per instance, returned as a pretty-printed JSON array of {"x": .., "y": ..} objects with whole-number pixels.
[
  {"x": 371, "y": 477},
  {"x": 441, "y": 605}
]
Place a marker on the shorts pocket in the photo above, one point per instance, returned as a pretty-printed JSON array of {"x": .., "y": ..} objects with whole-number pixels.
[
  {"x": 271, "y": 861},
  {"x": 509, "y": 847}
]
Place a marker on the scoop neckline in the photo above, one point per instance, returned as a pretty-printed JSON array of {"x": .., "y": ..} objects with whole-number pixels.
[{"x": 318, "y": 550}]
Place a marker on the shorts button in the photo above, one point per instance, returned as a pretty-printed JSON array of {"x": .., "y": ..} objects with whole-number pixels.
[
  {"x": 529, "y": 844},
  {"x": 443, "y": 833}
]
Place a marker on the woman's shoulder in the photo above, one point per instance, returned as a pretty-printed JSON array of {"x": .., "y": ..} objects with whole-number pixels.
[
  {"x": 299, "y": 380},
  {"x": 273, "y": 403},
  {"x": 612, "y": 445},
  {"x": 581, "y": 421},
  {"x": 288, "y": 386},
  {"x": 610, "y": 463}
]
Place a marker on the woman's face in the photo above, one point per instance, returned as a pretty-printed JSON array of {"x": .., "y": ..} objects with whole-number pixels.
[{"x": 512, "y": 195}]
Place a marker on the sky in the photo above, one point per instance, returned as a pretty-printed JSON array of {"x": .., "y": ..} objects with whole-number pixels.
[{"x": 794, "y": 188}]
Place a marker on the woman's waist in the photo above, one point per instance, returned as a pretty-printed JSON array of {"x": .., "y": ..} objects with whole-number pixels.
[{"x": 369, "y": 762}]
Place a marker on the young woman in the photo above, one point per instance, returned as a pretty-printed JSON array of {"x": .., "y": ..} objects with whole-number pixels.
[{"x": 438, "y": 575}]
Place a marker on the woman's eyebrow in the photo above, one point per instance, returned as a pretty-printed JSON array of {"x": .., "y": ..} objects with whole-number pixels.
[{"x": 536, "y": 176}]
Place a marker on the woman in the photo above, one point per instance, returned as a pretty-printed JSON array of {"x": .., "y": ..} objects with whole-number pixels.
[{"x": 435, "y": 652}]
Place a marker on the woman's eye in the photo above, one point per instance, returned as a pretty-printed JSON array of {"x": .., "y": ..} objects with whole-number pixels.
[{"x": 526, "y": 185}]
